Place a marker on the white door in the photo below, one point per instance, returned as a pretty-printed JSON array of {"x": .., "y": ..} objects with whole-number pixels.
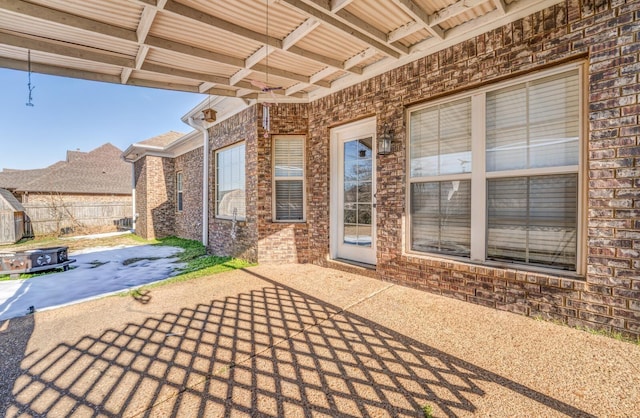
[{"x": 353, "y": 214}]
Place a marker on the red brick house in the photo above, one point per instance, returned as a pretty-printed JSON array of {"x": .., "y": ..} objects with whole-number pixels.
[{"x": 512, "y": 180}]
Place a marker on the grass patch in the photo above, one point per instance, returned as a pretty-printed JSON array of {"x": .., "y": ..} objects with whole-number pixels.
[
  {"x": 136, "y": 259},
  {"x": 427, "y": 411},
  {"x": 198, "y": 263},
  {"x": 616, "y": 335},
  {"x": 24, "y": 276},
  {"x": 96, "y": 264},
  {"x": 192, "y": 249}
]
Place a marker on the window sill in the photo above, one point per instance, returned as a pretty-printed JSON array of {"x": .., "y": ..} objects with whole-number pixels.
[
  {"x": 288, "y": 222},
  {"x": 561, "y": 274}
]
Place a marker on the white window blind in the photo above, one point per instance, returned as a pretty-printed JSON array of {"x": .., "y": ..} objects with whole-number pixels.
[
  {"x": 179, "y": 191},
  {"x": 230, "y": 182},
  {"x": 441, "y": 139},
  {"x": 522, "y": 203},
  {"x": 441, "y": 217},
  {"x": 534, "y": 125},
  {"x": 533, "y": 220},
  {"x": 289, "y": 178}
]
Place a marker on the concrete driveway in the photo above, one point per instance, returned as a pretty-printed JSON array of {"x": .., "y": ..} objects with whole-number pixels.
[{"x": 300, "y": 340}]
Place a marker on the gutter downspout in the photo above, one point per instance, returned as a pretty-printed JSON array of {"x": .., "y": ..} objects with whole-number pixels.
[
  {"x": 134, "y": 215},
  {"x": 200, "y": 126}
]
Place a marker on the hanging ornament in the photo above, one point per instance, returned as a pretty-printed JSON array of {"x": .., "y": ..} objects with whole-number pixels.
[
  {"x": 266, "y": 119},
  {"x": 29, "y": 86}
]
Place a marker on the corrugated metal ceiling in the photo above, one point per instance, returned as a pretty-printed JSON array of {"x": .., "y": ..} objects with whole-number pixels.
[{"x": 184, "y": 44}]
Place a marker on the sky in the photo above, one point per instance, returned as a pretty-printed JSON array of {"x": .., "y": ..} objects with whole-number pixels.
[{"x": 72, "y": 114}]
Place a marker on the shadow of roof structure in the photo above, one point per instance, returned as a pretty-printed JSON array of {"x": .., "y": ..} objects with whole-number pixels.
[{"x": 272, "y": 352}]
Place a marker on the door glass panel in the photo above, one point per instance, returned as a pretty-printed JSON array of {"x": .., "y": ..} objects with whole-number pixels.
[{"x": 357, "y": 220}]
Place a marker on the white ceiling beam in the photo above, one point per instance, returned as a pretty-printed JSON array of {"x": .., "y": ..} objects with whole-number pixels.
[
  {"x": 454, "y": 10},
  {"x": 65, "y": 49},
  {"x": 337, "y": 5},
  {"x": 141, "y": 56},
  {"x": 193, "y": 75},
  {"x": 257, "y": 56},
  {"x": 357, "y": 59},
  {"x": 322, "y": 74},
  {"x": 240, "y": 75},
  {"x": 57, "y": 71},
  {"x": 295, "y": 88},
  {"x": 300, "y": 32},
  {"x": 144, "y": 26},
  {"x": 193, "y": 14},
  {"x": 206, "y": 86},
  {"x": 420, "y": 16},
  {"x": 67, "y": 19},
  {"x": 404, "y": 31},
  {"x": 501, "y": 5},
  {"x": 346, "y": 22},
  {"x": 173, "y": 46},
  {"x": 125, "y": 74},
  {"x": 146, "y": 20}
]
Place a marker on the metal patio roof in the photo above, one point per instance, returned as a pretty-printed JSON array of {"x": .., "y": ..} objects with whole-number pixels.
[{"x": 236, "y": 48}]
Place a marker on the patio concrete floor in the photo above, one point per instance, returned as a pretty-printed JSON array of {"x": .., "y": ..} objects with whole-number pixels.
[{"x": 300, "y": 340}]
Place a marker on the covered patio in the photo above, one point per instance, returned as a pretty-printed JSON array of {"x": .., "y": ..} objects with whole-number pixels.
[
  {"x": 267, "y": 341},
  {"x": 508, "y": 177}
]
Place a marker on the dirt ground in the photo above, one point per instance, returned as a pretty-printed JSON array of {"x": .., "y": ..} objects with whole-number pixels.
[
  {"x": 301, "y": 340},
  {"x": 75, "y": 243}
]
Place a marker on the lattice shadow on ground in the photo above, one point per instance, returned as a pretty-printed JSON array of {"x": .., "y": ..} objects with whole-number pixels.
[{"x": 274, "y": 351}]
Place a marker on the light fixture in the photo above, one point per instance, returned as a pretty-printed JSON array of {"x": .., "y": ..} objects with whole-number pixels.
[{"x": 385, "y": 140}]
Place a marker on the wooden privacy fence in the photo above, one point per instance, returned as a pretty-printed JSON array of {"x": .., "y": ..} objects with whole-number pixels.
[{"x": 78, "y": 217}]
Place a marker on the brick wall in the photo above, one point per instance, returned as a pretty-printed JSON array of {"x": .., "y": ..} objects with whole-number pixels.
[
  {"x": 155, "y": 197},
  {"x": 279, "y": 241},
  {"x": 240, "y": 127},
  {"x": 602, "y": 33},
  {"x": 140, "y": 181},
  {"x": 189, "y": 221}
]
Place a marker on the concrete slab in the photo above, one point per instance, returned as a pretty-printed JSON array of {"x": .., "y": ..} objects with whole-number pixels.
[{"x": 297, "y": 340}]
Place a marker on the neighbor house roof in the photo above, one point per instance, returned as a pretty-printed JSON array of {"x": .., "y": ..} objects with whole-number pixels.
[
  {"x": 162, "y": 140},
  {"x": 305, "y": 49},
  {"x": 170, "y": 144},
  {"x": 100, "y": 171},
  {"x": 11, "y": 200}
]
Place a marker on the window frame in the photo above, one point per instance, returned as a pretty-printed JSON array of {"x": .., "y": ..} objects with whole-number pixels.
[
  {"x": 215, "y": 191},
  {"x": 179, "y": 191},
  {"x": 275, "y": 179},
  {"x": 479, "y": 175}
]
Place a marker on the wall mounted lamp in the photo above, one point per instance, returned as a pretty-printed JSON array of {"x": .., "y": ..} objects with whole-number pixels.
[{"x": 385, "y": 140}]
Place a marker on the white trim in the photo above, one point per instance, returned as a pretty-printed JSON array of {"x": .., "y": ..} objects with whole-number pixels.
[
  {"x": 479, "y": 175},
  {"x": 478, "y": 166},
  {"x": 215, "y": 186},
  {"x": 356, "y": 130}
]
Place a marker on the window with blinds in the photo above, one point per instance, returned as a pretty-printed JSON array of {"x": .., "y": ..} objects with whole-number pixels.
[
  {"x": 230, "y": 182},
  {"x": 524, "y": 194},
  {"x": 441, "y": 209},
  {"x": 179, "y": 191},
  {"x": 288, "y": 178},
  {"x": 441, "y": 217}
]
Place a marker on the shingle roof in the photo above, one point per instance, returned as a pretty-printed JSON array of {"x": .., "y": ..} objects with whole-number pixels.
[
  {"x": 100, "y": 171},
  {"x": 11, "y": 200},
  {"x": 162, "y": 140}
]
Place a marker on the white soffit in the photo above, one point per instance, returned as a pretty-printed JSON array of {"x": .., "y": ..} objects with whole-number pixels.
[{"x": 220, "y": 47}]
